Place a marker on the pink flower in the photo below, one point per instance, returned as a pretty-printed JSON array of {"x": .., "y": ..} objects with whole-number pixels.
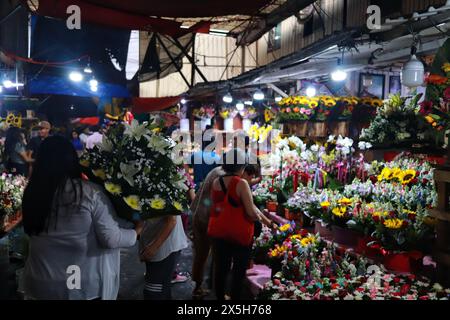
[
  {"x": 302, "y": 110},
  {"x": 447, "y": 94},
  {"x": 308, "y": 112},
  {"x": 288, "y": 109}
]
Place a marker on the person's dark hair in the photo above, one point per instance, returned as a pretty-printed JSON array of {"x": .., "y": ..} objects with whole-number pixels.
[
  {"x": 252, "y": 169},
  {"x": 234, "y": 161},
  {"x": 13, "y": 136},
  {"x": 56, "y": 164},
  {"x": 95, "y": 128}
]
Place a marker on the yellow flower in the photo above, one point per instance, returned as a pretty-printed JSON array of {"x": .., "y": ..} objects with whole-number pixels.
[
  {"x": 339, "y": 211},
  {"x": 386, "y": 172},
  {"x": 393, "y": 223},
  {"x": 84, "y": 163},
  {"x": 157, "y": 203},
  {"x": 307, "y": 241},
  {"x": 133, "y": 202},
  {"x": 178, "y": 206},
  {"x": 380, "y": 214},
  {"x": 113, "y": 188},
  {"x": 313, "y": 104},
  {"x": 99, "y": 173},
  {"x": 429, "y": 119},
  {"x": 376, "y": 102},
  {"x": 407, "y": 176},
  {"x": 296, "y": 237},
  {"x": 446, "y": 67},
  {"x": 285, "y": 227},
  {"x": 345, "y": 201},
  {"x": 409, "y": 212},
  {"x": 396, "y": 173},
  {"x": 325, "y": 204},
  {"x": 303, "y": 101}
]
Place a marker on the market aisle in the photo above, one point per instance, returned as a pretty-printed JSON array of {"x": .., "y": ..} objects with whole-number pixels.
[{"x": 132, "y": 275}]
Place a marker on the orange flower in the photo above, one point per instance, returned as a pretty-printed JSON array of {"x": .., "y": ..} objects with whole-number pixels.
[
  {"x": 436, "y": 79},
  {"x": 296, "y": 109}
]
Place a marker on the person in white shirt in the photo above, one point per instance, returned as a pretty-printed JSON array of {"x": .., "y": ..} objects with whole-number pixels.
[
  {"x": 94, "y": 139},
  {"x": 85, "y": 135}
]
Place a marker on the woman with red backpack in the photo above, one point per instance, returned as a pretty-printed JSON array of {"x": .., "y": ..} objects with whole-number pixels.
[{"x": 231, "y": 223}]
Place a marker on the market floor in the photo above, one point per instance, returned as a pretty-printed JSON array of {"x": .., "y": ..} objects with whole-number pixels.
[{"x": 132, "y": 275}]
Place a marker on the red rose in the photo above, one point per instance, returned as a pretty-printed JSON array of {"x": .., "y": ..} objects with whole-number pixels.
[
  {"x": 392, "y": 214},
  {"x": 360, "y": 289},
  {"x": 304, "y": 233},
  {"x": 271, "y": 189},
  {"x": 335, "y": 286},
  {"x": 405, "y": 223},
  {"x": 412, "y": 217},
  {"x": 376, "y": 219},
  {"x": 404, "y": 289},
  {"x": 425, "y": 180},
  {"x": 303, "y": 289},
  {"x": 276, "y": 282},
  {"x": 373, "y": 179},
  {"x": 396, "y": 280},
  {"x": 426, "y": 107},
  {"x": 307, "y": 263},
  {"x": 297, "y": 284},
  {"x": 414, "y": 181},
  {"x": 423, "y": 298}
]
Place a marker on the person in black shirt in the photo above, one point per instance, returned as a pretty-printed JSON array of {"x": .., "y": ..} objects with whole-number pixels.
[{"x": 35, "y": 143}]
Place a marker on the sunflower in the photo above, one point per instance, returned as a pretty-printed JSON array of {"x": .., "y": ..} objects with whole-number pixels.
[
  {"x": 285, "y": 227},
  {"x": 313, "y": 104},
  {"x": 345, "y": 201},
  {"x": 303, "y": 101},
  {"x": 393, "y": 223},
  {"x": 407, "y": 176},
  {"x": 325, "y": 204},
  {"x": 446, "y": 67},
  {"x": 376, "y": 103},
  {"x": 330, "y": 102},
  {"x": 307, "y": 241},
  {"x": 339, "y": 211}
]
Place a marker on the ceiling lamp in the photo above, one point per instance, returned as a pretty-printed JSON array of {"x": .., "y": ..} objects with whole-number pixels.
[
  {"x": 8, "y": 84},
  {"x": 339, "y": 74},
  {"x": 227, "y": 98},
  {"x": 413, "y": 71},
  {"x": 240, "y": 106},
  {"x": 258, "y": 95},
  {"x": 75, "y": 76},
  {"x": 311, "y": 91},
  {"x": 87, "y": 69},
  {"x": 183, "y": 101},
  {"x": 1, "y": 89},
  {"x": 278, "y": 98}
]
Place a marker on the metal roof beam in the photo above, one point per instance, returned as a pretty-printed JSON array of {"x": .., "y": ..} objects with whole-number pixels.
[{"x": 259, "y": 28}]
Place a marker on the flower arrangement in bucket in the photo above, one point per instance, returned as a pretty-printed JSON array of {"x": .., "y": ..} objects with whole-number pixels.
[
  {"x": 11, "y": 192},
  {"x": 134, "y": 165},
  {"x": 204, "y": 113},
  {"x": 296, "y": 109}
]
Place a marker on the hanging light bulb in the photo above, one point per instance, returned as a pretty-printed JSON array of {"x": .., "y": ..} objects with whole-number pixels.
[
  {"x": 413, "y": 71},
  {"x": 311, "y": 91},
  {"x": 339, "y": 74},
  {"x": 278, "y": 98},
  {"x": 87, "y": 69},
  {"x": 258, "y": 95},
  {"x": 1, "y": 89},
  {"x": 75, "y": 76},
  {"x": 240, "y": 106},
  {"x": 93, "y": 83},
  {"x": 8, "y": 84},
  {"x": 183, "y": 101},
  {"x": 227, "y": 98}
]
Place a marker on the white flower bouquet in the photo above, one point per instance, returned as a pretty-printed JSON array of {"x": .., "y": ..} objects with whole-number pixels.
[{"x": 134, "y": 165}]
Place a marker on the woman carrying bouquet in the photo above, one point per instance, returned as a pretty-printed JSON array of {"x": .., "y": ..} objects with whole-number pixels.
[{"x": 74, "y": 249}]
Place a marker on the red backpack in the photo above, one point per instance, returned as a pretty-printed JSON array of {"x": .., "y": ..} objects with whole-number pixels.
[{"x": 227, "y": 219}]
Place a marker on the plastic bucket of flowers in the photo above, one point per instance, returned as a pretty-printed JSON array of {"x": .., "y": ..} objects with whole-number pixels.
[
  {"x": 272, "y": 206},
  {"x": 321, "y": 228},
  {"x": 406, "y": 261},
  {"x": 345, "y": 236}
]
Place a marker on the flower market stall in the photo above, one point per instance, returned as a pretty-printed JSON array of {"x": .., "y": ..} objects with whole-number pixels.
[{"x": 343, "y": 209}]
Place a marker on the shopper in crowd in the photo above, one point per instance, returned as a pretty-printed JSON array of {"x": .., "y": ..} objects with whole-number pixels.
[
  {"x": 201, "y": 242},
  {"x": 17, "y": 159},
  {"x": 76, "y": 142},
  {"x": 160, "y": 247},
  {"x": 203, "y": 161},
  {"x": 85, "y": 135},
  {"x": 95, "y": 138},
  {"x": 74, "y": 248},
  {"x": 227, "y": 253},
  {"x": 34, "y": 144}
]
